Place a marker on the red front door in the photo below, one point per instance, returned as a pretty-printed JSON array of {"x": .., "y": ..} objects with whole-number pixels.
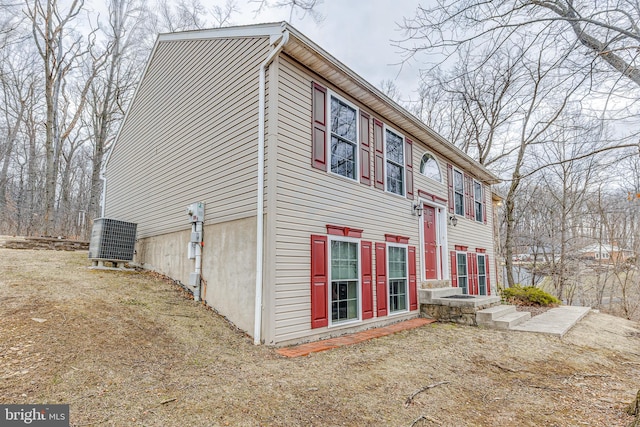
[{"x": 430, "y": 247}]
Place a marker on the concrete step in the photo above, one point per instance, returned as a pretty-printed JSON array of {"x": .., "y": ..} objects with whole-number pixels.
[
  {"x": 488, "y": 315},
  {"x": 511, "y": 320},
  {"x": 426, "y": 296}
]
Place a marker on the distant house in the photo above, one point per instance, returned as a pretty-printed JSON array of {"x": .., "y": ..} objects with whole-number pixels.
[
  {"x": 326, "y": 204},
  {"x": 607, "y": 253}
]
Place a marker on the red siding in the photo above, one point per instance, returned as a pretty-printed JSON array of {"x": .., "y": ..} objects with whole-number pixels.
[
  {"x": 413, "y": 291},
  {"x": 319, "y": 127},
  {"x": 367, "y": 279},
  {"x": 378, "y": 166},
  {"x": 319, "y": 279},
  {"x": 381, "y": 279},
  {"x": 365, "y": 150}
]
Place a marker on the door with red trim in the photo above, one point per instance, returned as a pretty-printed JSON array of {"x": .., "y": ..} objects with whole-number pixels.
[{"x": 430, "y": 243}]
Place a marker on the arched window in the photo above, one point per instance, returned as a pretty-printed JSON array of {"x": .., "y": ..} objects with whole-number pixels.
[{"x": 429, "y": 167}]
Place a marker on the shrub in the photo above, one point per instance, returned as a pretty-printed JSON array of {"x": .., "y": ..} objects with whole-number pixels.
[{"x": 528, "y": 295}]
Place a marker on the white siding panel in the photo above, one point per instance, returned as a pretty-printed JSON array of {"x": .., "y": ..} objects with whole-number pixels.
[
  {"x": 190, "y": 136},
  {"x": 308, "y": 199}
]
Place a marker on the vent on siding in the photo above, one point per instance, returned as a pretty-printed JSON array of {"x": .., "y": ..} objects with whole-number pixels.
[{"x": 112, "y": 240}]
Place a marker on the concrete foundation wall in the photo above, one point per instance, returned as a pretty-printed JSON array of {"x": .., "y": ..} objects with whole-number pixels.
[{"x": 228, "y": 265}]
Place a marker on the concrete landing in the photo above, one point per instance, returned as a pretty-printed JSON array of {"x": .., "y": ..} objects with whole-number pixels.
[{"x": 556, "y": 321}]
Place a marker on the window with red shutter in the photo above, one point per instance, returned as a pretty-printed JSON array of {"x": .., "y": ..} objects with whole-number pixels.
[
  {"x": 319, "y": 282},
  {"x": 319, "y": 127},
  {"x": 366, "y": 252},
  {"x": 381, "y": 279}
]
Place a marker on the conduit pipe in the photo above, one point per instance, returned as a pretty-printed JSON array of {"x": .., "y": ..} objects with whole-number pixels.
[{"x": 257, "y": 331}]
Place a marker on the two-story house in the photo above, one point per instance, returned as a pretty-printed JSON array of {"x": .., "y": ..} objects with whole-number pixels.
[{"x": 326, "y": 204}]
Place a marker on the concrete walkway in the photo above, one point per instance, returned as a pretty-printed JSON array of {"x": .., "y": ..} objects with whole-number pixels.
[{"x": 556, "y": 321}]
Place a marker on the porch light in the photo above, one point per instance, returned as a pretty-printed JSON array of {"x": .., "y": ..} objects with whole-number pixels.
[
  {"x": 453, "y": 220},
  {"x": 418, "y": 209}
]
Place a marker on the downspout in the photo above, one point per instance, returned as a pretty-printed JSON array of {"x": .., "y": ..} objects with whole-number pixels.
[{"x": 257, "y": 331}]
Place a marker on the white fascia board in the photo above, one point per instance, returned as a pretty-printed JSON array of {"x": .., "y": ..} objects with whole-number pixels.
[{"x": 272, "y": 30}]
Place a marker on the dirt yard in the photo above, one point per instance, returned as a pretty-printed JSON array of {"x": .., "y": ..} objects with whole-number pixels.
[{"x": 129, "y": 349}]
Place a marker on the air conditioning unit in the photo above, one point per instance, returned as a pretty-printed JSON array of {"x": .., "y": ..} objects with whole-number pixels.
[{"x": 112, "y": 240}]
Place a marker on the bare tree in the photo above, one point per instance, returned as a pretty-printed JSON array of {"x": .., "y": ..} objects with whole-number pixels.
[
  {"x": 608, "y": 31},
  {"x": 62, "y": 52},
  {"x": 301, "y": 7}
]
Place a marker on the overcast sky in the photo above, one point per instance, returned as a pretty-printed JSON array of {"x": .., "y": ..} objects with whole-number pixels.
[{"x": 358, "y": 33}]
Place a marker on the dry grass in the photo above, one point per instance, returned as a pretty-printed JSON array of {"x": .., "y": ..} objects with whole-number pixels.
[{"x": 129, "y": 349}]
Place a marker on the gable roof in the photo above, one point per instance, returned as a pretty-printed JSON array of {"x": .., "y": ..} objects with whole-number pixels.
[{"x": 309, "y": 54}]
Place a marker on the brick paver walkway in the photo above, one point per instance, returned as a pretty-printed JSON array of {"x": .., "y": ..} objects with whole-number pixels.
[{"x": 328, "y": 344}]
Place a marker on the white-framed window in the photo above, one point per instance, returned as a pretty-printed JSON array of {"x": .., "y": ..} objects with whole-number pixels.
[
  {"x": 429, "y": 167},
  {"x": 344, "y": 279},
  {"x": 458, "y": 189},
  {"x": 482, "y": 274},
  {"x": 462, "y": 272},
  {"x": 394, "y": 161},
  {"x": 343, "y": 147},
  {"x": 478, "y": 202},
  {"x": 397, "y": 267}
]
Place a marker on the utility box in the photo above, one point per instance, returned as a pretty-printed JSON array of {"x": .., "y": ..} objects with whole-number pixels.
[
  {"x": 112, "y": 240},
  {"x": 196, "y": 212}
]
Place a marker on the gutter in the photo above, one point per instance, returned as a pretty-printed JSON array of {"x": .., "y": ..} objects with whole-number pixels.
[{"x": 257, "y": 331}]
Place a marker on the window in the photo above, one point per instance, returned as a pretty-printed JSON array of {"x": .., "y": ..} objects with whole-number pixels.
[
  {"x": 397, "y": 279},
  {"x": 429, "y": 167},
  {"x": 458, "y": 188},
  {"x": 462, "y": 272},
  {"x": 344, "y": 140},
  {"x": 395, "y": 162},
  {"x": 344, "y": 281},
  {"x": 482, "y": 274},
  {"x": 478, "y": 201}
]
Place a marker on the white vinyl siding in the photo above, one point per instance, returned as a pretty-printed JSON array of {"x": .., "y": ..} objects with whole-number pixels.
[
  {"x": 308, "y": 199},
  {"x": 190, "y": 136}
]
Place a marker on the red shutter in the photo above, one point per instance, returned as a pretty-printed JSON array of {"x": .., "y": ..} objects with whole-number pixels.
[
  {"x": 408, "y": 157},
  {"x": 413, "y": 291},
  {"x": 319, "y": 127},
  {"x": 378, "y": 165},
  {"x": 468, "y": 196},
  {"x": 487, "y": 267},
  {"x": 367, "y": 276},
  {"x": 450, "y": 184},
  {"x": 381, "y": 279},
  {"x": 472, "y": 273},
  {"x": 319, "y": 282},
  {"x": 454, "y": 266},
  {"x": 484, "y": 204},
  {"x": 365, "y": 150}
]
